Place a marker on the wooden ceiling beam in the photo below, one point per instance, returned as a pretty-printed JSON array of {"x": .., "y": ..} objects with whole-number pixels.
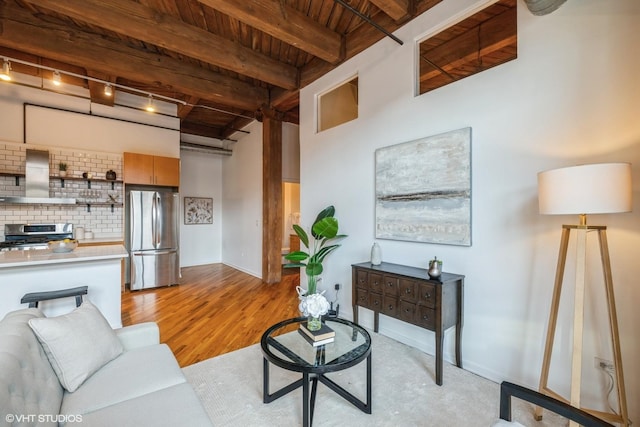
[
  {"x": 200, "y": 129},
  {"x": 399, "y": 10},
  {"x": 359, "y": 40},
  {"x": 492, "y": 35},
  {"x": 149, "y": 25},
  {"x": 356, "y": 42},
  {"x": 277, "y": 19},
  {"x": 184, "y": 110},
  {"x": 234, "y": 126},
  {"x": 21, "y": 31}
]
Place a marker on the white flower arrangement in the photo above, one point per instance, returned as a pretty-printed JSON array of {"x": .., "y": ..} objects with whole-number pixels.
[{"x": 314, "y": 305}]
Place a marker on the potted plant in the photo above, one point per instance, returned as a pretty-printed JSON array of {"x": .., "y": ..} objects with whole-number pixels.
[
  {"x": 62, "y": 168},
  {"x": 321, "y": 242}
]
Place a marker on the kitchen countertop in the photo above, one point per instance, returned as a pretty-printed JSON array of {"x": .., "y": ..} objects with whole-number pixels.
[
  {"x": 45, "y": 256},
  {"x": 101, "y": 241}
]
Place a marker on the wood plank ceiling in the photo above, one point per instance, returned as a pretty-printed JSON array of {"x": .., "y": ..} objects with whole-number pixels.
[{"x": 228, "y": 60}]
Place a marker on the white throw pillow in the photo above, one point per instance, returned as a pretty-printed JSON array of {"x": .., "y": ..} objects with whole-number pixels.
[{"x": 77, "y": 344}]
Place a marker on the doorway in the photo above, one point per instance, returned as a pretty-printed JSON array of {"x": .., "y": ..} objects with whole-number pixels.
[{"x": 291, "y": 216}]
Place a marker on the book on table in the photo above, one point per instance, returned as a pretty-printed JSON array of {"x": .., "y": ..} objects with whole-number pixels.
[
  {"x": 313, "y": 342},
  {"x": 321, "y": 334}
]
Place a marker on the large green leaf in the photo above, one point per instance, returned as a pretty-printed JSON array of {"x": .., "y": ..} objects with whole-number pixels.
[
  {"x": 313, "y": 268},
  {"x": 302, "y": 235},
  {"x": 327, "y": 212},
  {"x": 326, "y": 228},
  {"x": 322, "y": 253},
  {"x": 294, "y": 265},
  {"x": 331, "y": 239},
  {"x": 296, "y": 256}
]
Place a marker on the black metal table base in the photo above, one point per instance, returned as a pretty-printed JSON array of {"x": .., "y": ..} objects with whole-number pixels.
[{"x": 309, "y": 396}]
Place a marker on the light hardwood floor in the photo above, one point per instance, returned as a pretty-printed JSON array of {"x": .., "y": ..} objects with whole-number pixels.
[{"x": 216, "y": 309}]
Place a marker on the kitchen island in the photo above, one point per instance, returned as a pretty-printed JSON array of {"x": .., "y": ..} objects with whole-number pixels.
[{"x": 98, "y": 267}]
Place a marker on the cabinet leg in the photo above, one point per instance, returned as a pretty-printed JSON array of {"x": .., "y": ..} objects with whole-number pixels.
[
  {"x": 376, "y": 321},
  {"x": 306, "y": 416},
  {"x": 459, "y": 345},
  {"x": 439, "y": 346}
]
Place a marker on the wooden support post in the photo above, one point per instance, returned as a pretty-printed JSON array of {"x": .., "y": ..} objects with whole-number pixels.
[{"x": 272, "y": 225}]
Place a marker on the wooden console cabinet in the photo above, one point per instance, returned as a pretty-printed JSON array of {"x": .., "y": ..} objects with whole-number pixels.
[
  {"x": 407, "y": 293},
  {"x": 151, "y": 170}
]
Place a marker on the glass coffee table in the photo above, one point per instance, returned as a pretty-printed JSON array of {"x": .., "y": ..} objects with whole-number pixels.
[{"x": 283, "y": 346}]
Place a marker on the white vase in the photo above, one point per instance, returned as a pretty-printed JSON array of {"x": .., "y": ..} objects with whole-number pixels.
[{"x": 376, "y": 254}]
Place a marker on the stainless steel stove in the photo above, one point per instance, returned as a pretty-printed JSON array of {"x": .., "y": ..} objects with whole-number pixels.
[{"x": 19, "y": 237}]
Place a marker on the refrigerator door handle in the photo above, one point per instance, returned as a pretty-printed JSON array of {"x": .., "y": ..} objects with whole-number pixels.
[
  {"x": 154, "y": 220},
  {"x": 155, "y": 253},
  {"x": 133, "y": 224}
]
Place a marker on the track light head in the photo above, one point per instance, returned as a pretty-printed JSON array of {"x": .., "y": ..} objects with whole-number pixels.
[
  {"x": 57, "y": 80},
  {"x": 150, "y": 105},
  {"x": 108, "y": 91},
  {"x": 6, "y": 71}
]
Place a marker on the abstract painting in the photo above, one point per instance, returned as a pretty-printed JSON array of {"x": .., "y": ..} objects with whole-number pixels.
[
  {"x": 198, "y": 210},
  {"x": 423, "y": 190}
]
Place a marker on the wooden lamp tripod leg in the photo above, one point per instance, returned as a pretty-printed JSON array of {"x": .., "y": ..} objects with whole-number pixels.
[
  {"x": 613, "y": 323},
  {"x": 553, "y": 316},
  {"x": 578, "y": 319}
]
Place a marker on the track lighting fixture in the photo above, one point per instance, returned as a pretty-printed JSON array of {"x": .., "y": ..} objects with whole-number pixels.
[
  {"x": 6, "y": 70},
  {"x": 57, "y": 80},
  {"x": 150, "y": 105},
  {"x": 108, "y": 89}
]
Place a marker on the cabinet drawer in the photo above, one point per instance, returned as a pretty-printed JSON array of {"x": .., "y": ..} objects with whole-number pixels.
[
  {"x": 375, "y": 301},
  {"x": 407, "y": 289},
  {"x": 390, "y": 305},
  {"x": 390, "y": 285},
  {"x": 361, "y": 279},
  {"x": 427, "y": 294},
  {"x": 375, "y": 282},
  {"x": 407, "y": 311},
  {"x": 362, "y": 297},
  {"x": 426, "y": 317}
]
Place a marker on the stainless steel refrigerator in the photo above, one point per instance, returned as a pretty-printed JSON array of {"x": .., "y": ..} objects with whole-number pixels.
[{"x": 151, "y": 229}]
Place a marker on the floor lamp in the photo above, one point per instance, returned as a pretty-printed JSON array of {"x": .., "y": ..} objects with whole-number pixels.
[{"x": 588, "y": 189}]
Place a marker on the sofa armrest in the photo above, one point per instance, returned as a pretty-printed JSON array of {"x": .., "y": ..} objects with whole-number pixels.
[{"x": 139, "y": 335}]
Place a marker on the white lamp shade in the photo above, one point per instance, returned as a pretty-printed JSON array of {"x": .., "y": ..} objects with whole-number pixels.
[{"x": 587, "y": 189}]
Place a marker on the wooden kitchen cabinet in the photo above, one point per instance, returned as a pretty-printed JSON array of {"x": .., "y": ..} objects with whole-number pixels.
[
  {"x": 407, "y": 293},
  {"x": 151, "y": 170}
]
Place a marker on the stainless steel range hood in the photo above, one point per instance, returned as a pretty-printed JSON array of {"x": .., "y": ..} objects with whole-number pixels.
[{"x": 37, "y": 182}]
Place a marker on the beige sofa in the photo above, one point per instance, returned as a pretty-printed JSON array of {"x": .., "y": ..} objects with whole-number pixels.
[{"x": 141, "y": 386}]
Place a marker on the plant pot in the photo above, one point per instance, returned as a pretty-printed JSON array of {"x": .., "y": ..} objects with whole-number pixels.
[{"x": 62, "y": 173}]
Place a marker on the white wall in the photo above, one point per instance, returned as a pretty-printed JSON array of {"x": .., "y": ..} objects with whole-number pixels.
[
  {"x": 201, "y": 176},
  {"x": 242, "y": 203},
  {"x": 290, "y": 153},
  {"x": 242, "y": 195},
  {"x": 570, "y": 97}
]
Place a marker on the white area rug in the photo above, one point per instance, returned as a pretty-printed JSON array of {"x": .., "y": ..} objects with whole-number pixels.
[{"x": 404, "y": 393}]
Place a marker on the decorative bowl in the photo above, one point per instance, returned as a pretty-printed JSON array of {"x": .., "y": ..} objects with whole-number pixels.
[{"x": 63, "y": 246}]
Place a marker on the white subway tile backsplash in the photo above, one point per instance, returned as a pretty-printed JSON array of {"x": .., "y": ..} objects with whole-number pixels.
[{"x": 100, "y": 219}]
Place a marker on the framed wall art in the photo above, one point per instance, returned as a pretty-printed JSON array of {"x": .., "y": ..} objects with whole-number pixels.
[
  {"x": 423, "y": 190},
  {"x": 198, "y": 210}
]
